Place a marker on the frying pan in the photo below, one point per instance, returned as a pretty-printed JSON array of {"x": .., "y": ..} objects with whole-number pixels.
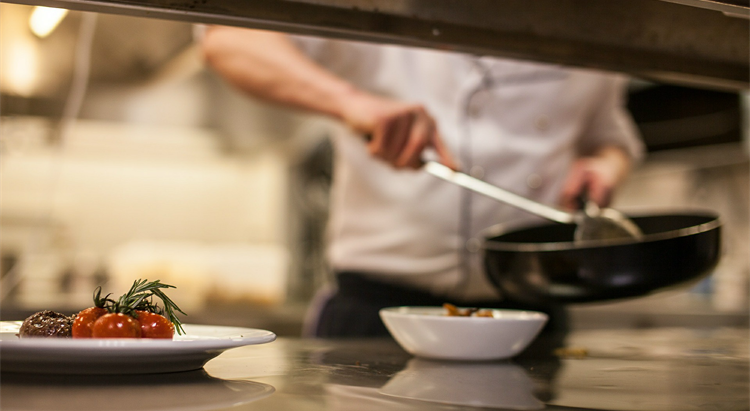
[{"x": 543, "y": 265}]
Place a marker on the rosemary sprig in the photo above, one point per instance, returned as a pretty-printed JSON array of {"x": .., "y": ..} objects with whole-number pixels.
[
  {"x": 100, "y": 302},
  {"x": 140, "y": 297}
]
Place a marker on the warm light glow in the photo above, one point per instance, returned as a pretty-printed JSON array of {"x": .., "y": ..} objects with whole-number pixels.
[
  {"x": 45, "y": 19},
  {"x": 20, "y": 68}
]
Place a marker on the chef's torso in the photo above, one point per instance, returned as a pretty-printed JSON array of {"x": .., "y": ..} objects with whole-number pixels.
[{"x": 514, "y": 124}]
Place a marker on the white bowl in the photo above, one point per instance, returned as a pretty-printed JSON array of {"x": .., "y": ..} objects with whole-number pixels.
[{"x": 429, "y": 333}]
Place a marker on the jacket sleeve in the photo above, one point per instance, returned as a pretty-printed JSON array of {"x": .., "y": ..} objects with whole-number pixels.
[{"x": 610, "y": 123}]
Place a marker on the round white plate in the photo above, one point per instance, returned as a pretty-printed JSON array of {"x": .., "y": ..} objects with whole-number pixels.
[{"x": 190, "y": 351}]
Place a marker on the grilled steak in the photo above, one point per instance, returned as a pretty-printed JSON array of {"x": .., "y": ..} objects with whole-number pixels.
[{"x": 47, "y": 324}]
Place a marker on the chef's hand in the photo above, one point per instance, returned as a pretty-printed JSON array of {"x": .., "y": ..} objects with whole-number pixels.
[
  {"x": 398, "y": 132},
  {"x": 598, "y": 175}
]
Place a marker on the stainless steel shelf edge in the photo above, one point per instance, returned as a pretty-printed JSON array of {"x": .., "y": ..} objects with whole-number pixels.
[{"x": 698, "y": 44}]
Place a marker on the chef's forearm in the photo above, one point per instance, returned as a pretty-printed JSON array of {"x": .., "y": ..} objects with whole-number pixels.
[{"x": 267, "y": 65}]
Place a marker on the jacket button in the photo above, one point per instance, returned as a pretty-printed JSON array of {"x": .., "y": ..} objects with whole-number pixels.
[
  {"x": 534, "y": 180},
  {"x": 477, "y": 102},
  {"x": 475, "y": 109},
  {"x": 473, "y": 245},
  {"x": 477, "y": 172},
  {"x": 541, "y": 123}
]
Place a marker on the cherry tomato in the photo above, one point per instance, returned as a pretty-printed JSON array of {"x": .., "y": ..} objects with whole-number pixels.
[
  {"x": 84, "y": 321},
  {"x": 116, "y": 325},
  {"x": 154, "y": 325}
]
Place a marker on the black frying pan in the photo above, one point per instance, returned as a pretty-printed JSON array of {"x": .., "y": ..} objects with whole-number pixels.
[{"x": 543, "y": 265}]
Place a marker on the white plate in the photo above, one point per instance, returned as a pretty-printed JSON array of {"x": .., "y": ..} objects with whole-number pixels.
[
  {"x": 428, "y": 332},
  {"x": 122, "y": 356}
]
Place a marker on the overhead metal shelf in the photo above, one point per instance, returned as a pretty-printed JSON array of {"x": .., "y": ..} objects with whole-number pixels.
[{"x": 689, "y": 42}]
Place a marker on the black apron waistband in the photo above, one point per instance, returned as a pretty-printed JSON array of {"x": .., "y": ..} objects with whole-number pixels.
[
  {"x": 353, "y": 310},
  {"x": 358, "y": 285}
]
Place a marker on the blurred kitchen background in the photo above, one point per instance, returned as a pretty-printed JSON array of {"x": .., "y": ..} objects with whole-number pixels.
[{"x": 122, "y": 157}]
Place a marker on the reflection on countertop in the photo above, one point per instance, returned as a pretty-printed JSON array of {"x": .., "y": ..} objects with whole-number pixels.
[
  {"x": 191, "y": 390},
  {"x": 660, "y": 369},
  {"x": 464, "y": 384}
]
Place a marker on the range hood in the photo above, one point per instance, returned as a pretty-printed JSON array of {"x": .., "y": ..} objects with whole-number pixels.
[{"x": 699, "y": 43}]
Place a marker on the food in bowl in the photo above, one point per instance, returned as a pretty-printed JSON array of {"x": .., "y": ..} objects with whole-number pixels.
[
  {"x": 453, "y": 311},
  {"x": 428, "y": 332}
]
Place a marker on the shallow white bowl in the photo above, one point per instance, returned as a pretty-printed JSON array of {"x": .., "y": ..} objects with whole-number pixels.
[{"x": 427, "y": 332}]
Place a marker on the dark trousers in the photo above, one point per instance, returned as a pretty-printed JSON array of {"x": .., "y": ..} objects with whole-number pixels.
[{"x": 353, "y": 310}]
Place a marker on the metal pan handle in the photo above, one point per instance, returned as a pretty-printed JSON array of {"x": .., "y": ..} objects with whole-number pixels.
[
  {"x": 498, "y": 193},
  {"x": 494, "y": 192}
]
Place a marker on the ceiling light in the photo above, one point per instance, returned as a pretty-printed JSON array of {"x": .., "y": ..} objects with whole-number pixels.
[
  {"x": 20, "y": 68},
  {"x": 45, "y": 19}
]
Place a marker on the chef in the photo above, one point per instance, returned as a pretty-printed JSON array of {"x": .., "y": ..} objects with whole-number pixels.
[{"x": 397, "y": 235}]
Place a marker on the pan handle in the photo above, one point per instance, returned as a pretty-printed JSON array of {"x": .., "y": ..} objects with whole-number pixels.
[
  {"x": 494, "y": 192},
  {"x": 498, "y": 193}
]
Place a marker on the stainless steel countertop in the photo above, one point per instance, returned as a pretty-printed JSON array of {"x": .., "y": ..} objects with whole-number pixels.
[{"x": 655, "y": 369}]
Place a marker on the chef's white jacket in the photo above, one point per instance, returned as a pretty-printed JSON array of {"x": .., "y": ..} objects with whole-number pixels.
[{"x": 517, "y": 125}]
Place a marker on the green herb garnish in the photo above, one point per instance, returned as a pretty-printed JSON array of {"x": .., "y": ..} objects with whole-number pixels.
[{"x": 141, "y": 297}]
